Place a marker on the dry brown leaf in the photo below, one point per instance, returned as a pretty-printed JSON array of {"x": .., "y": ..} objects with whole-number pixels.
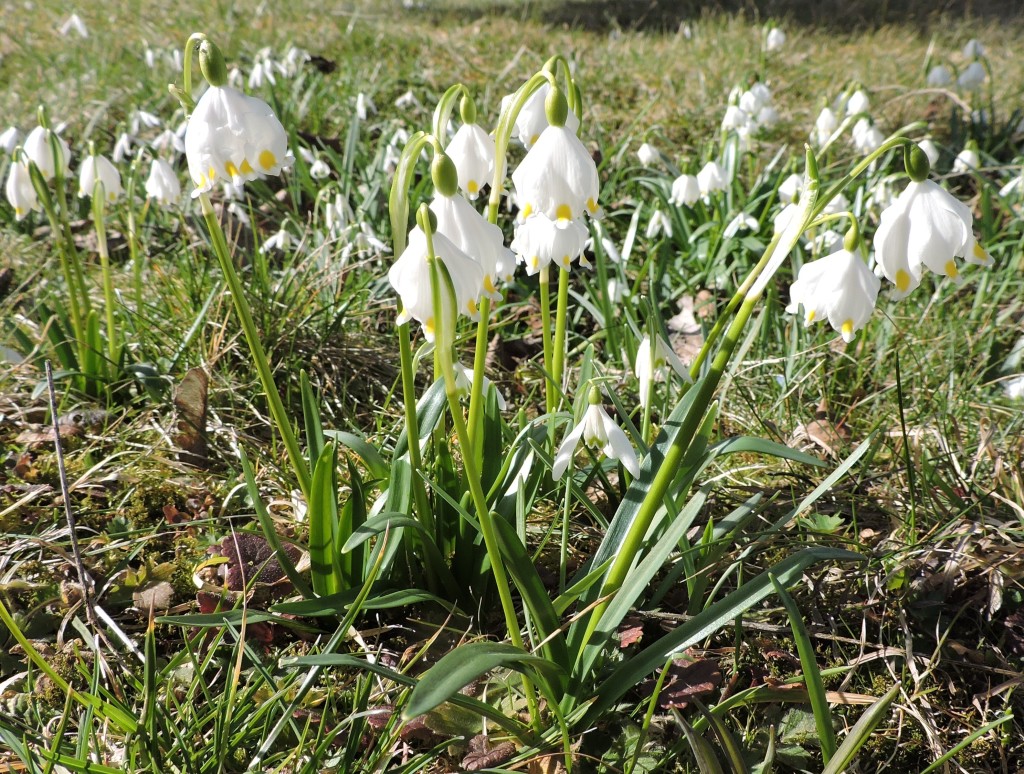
[
  {"x": 154, "y": 596},
  {"x": 482, "y": 755},
  {"x": 190, "y": 399}
]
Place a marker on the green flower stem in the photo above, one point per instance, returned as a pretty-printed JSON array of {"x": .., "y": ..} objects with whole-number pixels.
[
  {"x": 98, "y": 204},
  {"x": 631, "y": 546},
  {"x": 442, "y": 337},
  {"x": 502, "y": 137},
  {"x": 545, "y": 324},
  {"x": 259, "y": 357},
  {"x": 559, "y": 345},
  {"x": 476, "y": 399},
  {"x": 419, "y": 492}
]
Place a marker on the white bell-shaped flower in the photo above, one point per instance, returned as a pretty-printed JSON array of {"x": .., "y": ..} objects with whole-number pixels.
[
  {"x": 99, "y": 169},
  {"x": 857, "y": 103},
  {"x": 966, "y": 161},
  {"x": 598, "y": 431},
  {"x": 21, "y": 194},
  {"x": 924, "y": 227},
  {"x": 464, "y": 383},
  {"x": 931, "y": 150},
  {"x": 39, "y": 150},
  {"x": 472, "y": 150},
  {"x": 685, "y": 191},
  {"x": 540, "y": 241},
  {"x": 712, "y": 177},
  {"x": 162, "y": 184},
  {"x": 974, "y": 49},
  {"x": 790, "y": 188},
  {"x": 9, "y": 138},
  {"x": 532, "y": 119},
  {"x": 233, "y": 138},
  {"x": 939, "y": 77},
  {"x": 659, "y": 223},
  {"x": 647, "y": 154},
  {"x": 775, "y": 40},
  {"x": 825, "y": 124},
  {"x": 972, "y": 76},
  {"x": 476, "y": 237},
  {"x": 558, "y": 177},
  {"x": 652, "y": 360},
  {"x": 410, "y": 277},
  {"x": 840, "y": 288}
]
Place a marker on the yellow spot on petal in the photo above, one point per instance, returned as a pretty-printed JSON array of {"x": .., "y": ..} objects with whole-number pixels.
[
  {"x": 18, "y": 211},
  {"x": 211, "y": 174},
  {"x": 527, "y": 210},
  {"x": 534, "y": 138},
  {"x": 489, "y": 285},
  {"x": 902, "y": 281},
  {"x": 471, "y": 305},
  {"x": 591, "y": 205},
  {"x": 951, "y": 270},
  {"x": 811, "y": 315},
  {"x": 428, "y": 326},
  {"x": 534, "y": 261},
  {"x": 472, "y": 187},
  {"x": 980, "y": 254},
  {"x": 231, "y": 169},
  {"x": 267, "y": 160},
  {"x": 563, "y": 212},
  {"x": 246, "y": 167},
  {"x": 847, "y": 328}
]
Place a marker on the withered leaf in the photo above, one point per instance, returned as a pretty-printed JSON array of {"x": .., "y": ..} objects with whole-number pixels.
[
  {"x": 688, "y": 680},
  {"x": 190, "y": 400},
  {"x": 254, "y": 564},
  {"x": 482, "y": 755},
  {"x": 154, "y": 596}
]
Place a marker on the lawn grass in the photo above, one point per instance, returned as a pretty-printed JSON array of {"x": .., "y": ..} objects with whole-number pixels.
[{"x": 932, "y": 509}]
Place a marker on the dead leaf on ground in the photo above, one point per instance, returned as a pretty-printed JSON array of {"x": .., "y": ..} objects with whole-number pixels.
[
  {"x": 822, "y": 432},
  {"x": 154, "y": 596},
  {"x": 190, "y": 399},
  {"x": 482, "y": 755},
  {"x": 688, "y": 679}
]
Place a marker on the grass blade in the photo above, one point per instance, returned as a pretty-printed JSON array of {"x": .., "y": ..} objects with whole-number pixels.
[{"x": 860, "y": 733}]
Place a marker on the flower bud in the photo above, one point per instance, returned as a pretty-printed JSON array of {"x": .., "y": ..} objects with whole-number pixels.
[
  {"x": 467, "y": 109},
  {"x": 852, "y": 238},
  {"x": 916, "y": 162},
  {"x": 444, "y": 175},
  {"x": 556, "y": 108},
  {"x": 211, "y": 62}
]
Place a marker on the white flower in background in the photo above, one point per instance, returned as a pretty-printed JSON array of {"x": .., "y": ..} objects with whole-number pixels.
[
  {"x": 610, "y": 249},
  {"x": 540, "y": 241},
  {"x": 39, "y": 150},
  {"x": 616, "y": 290},
  {"x": 598, "y": 431},
  {"x": 338, "y": 215},
  {"x": 282, "y": 240},
  {"x": 240, "y": 213},
  {"x": 169, "y": 139},
  {"x": 824, "y": 126},
  {"x": 685, "y": 191},
  {"x": 9, "y": 139},
  {"x": 925, "y": 227},
  {"x": 410, "y": 277},
  {"x": 648, "y": 154},
  {"x": 838, "y": 203},
  {"x": 21, "y": 194},
  {"x": 966, "y": 161},
  {"x": 785, "y": 216},
  {"x": 775, "y": 40},
  {"x": 141, "y": 119},
  {"x": 235, "y": 78},
  {"x": 767, "y": 117},
  {"x": 364, "y": 106},
  {"x": 472, "y": 150},
  {"x": 162, "y": 184},
  {"x": 99, "y": 169},
  {"x": 973, "y": 49},
  {"x": 857, "y": 103},
  {"x": 790, "y": 188},
  {"x": 558, "y": 177},
  {"x": 973, "y": 76},
  {"x": 827, "y": 242},
  {"x": 476, "y": 237},
  {"x": 866, "y": 136},
  {"x": 233, "y": 137},
  {"x": 122, "y": 148},
  {"x": 939, "y": 77},
  {"x": 294, "y": 59},
  {"x": 233, "y": 192},
  {"x": 74, "y": 24},
  {"x": 652, "y": 361},
  {"x": 532, "y": 119},
  {"x": 408, "y": 101},
  {"x": 319, "y": 169},
  {"x": 741, "y": 221},
  {"x": 840, "y": 288},
  {"x": 711, "y": 178},
  {"x": 1014, "y": 185},
  {"x": 464, "y": 383},
  {"x": 931, "y": 150},
  {"x": 659, "y": 224},
  {"x": 736, "y": 120}
]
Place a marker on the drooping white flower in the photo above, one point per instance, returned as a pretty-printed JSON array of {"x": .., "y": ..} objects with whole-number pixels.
[
  {"x": 233, "y": 137},
  {"x": 122, "y": 148},
  {"x": 364, "y": 106},
  {"x": 838, "y": 203},
  {"x": 736, "y": 119},
  {"x": 972, "y": 76},
  {"x": 532, "y": 119},
  {"x": 74, "y": 24},
  {"x": 711, "y": 178},
  {"x": 974, "y": 49},
  {"x": 39, "y": 150},
  {"x": 99, "y": 169},
  {"x": 741, "y": 221},
  {"x": 472, "y": 151},
  {"x": 857, "y": 103},
  {"x": 790, "y": 188},
  {"x": 281, "y": 240},
  {"x": 775, "y": 40},
  {"x": 939, "y": 77},
  {"x": 464, "y": 383},
  {"x": 866, "y": 136},
  {"x": 966, "y": 160},
  {"x": 558, "y": 177},
  {"x": 840, "y": 288},
  {"x": 652, "y": 361},
  {"x": 685, "y": 191},
  {"x": 9, "y": 139},
  {"x": 169, "y": 139},
  {"x": 616, "y": 291},
  {"x": 767, "y": 117},
  {"x": 610, "y": 249},
  {"x": 598, "y": 431},
  {"x": 162, "y": 184},
  {"x": 540, "y": 241},
  {"x": 408, "y": 101},
  {"x": 21, "y": 194},
  {"x": 142, "y": 119},
  {"x": 925, "y": 227},
  {"x": 410, "y": 277},
  {"x": 659, "y": 223},
  {"x": 476, "y": 237},
  {"x": 931, "y": 150},
  {"x": 647, "y": 154},
  {"x": 824, "y": 126},
  {"x": 319, "y": 169},
  {"x": 1012, "y": 186}
]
